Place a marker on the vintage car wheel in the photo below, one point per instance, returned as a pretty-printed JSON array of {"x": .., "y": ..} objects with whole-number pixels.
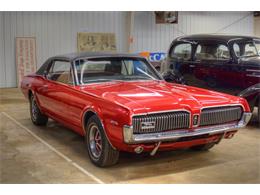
[
  {"x": 203, "y": 147},
  {"x": 36, "y": 116},
  {"x": 99, "y": 149}
]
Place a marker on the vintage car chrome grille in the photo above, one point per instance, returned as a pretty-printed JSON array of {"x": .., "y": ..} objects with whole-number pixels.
[
  {"x": 159, "y": 122},
  {"x": 220, "y": 115}
]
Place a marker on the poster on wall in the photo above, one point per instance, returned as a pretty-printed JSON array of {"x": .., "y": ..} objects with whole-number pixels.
[
  {"x": 96, "y": 41},
  {"x": 163, "y": 17},
  {"x": 25, "y": 56}
]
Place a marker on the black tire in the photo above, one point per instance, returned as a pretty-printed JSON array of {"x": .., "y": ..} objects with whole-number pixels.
[
  {"x": 37, "y": 117},
  {"x": 104, "y": 155},
  {"x": 203, "y": 147}
]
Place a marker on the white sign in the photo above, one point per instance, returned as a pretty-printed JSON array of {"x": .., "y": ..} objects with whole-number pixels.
[{"x": 25, "y": 56}]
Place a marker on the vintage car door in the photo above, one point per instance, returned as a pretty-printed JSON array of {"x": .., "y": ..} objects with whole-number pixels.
[
  {"x": 250, "y": 63},
  {"x": 54, "y": 95},
  {"x": 215, "y": 66},
  {"x": 180, "y": 59}
]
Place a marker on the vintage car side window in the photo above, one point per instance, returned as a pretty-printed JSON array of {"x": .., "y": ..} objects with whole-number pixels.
[
  {"x": 60, "y": 71},
  {"x": 209, "y": 51},
  {"x": 43, "y": 68},
  {"x": 182, "y": 51},
  {"x": 250, "y": 50}
]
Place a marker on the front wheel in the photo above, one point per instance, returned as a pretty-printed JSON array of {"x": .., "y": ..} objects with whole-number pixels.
[
  {"x": 100, "y": 151},
  {"x": 36, "y": 116}
]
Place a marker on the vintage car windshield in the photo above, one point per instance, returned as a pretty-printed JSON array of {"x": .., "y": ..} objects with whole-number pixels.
[
  {"x": 246, "y": 49},
  {"x": 110, "y": 69}
]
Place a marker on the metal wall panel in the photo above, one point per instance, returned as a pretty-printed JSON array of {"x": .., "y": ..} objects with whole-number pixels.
[
  {"x": 149, "y": 36},
  {"x": 56, "y": 32},
  {"x": 2, "y": 54}
]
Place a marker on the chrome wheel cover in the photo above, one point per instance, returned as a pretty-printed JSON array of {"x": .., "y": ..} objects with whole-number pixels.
[
  {"x": 95, "y": 142},
  {"x": 34, "y": 109}
]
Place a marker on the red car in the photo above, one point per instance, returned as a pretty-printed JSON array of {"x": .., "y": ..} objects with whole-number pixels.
[{"x": 119, "y": 102}]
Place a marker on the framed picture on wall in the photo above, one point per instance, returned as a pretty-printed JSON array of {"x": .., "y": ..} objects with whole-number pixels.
[
  {"x": 96, "y": 41},
  {"x": 25, "y": 56}
]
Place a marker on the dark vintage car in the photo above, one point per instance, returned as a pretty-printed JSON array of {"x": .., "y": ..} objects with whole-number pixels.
[
  {"x": 252, "y": 95},
  {"x": 119, "y": 102},
  {"x": 224, "y": 63}
]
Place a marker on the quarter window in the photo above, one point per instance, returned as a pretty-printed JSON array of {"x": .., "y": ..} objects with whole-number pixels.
[
  {"x": 182, "y": 51},
  {"x": 60, "y": 71}
]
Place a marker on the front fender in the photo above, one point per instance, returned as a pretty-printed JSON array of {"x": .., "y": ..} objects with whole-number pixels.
[{"x": 109, "y": 113}]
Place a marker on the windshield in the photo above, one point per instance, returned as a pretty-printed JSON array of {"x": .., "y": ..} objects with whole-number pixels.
[
  {"x": 245, "y": 49},
  {"x": 112, "y": 69}
]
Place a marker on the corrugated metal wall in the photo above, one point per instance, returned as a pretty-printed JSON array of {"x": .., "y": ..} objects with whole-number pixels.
[
  {"x": 56, "y": 32},
  {"x": 153, "y": 37}
]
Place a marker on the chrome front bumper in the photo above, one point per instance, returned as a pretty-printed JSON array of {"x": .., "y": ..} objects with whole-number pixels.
[{"x": 131, "y": 138}]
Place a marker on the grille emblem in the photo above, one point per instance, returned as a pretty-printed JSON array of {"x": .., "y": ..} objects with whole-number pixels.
[
  {"x": 147, "y": 125},
  {"x": 195, "y": 120}
]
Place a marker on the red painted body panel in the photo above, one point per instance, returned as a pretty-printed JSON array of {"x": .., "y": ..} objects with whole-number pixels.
[{"x": 115, "y": 103}]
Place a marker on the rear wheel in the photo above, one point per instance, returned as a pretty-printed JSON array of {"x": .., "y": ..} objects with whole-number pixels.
[
  {"x": 36, "y": 116},
  {"x": 203, "y": 147},
  {"x": 100, "y": 151}
]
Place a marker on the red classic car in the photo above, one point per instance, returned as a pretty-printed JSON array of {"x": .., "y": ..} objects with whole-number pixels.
[{"x": 119, "y": 102}]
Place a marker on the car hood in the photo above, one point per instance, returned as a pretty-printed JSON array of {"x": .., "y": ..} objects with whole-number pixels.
[
  {"x": 253, "y": 61},
  {"x": 152, "y": 96}
]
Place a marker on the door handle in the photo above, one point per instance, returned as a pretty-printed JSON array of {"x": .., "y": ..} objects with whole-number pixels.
[
  {"x": 45, "y": 86},
  {"x": 192, "y": 66}
]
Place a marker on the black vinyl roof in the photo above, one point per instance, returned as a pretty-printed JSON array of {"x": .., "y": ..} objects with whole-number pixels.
[
  {"x": 215, "y": 37},
  {"x": 74, "y": 56}
]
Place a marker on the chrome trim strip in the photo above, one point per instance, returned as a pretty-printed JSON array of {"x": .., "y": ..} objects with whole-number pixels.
[
  {"x": 162, "y": 111},
  {"x": 224, "y": 105},
  {"x": 252, "y": 70},
  {"x": 131, "y": 138},
  {"x": 253, "y": 75},
  {"x": 101, "y": 121}
]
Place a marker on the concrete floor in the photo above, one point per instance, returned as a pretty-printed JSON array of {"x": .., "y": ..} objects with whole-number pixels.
[{"x": 54, "y": 154}]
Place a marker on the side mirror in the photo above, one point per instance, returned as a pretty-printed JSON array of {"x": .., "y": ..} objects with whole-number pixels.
[{"x": 173, "y": 76}]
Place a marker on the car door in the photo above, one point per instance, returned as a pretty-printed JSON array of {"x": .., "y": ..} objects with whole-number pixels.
[
  {"x": 180, "y": 59},
  {"x": 55, "y": 93},
  {"x": 215, "y": 66}
]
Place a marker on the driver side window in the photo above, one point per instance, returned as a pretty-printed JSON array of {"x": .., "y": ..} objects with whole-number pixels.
[
  {"x": 182, "y": 51},
  {"x": 60, "y": 71}
]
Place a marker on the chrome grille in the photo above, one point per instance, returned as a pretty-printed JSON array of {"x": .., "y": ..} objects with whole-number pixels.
[
  {"x": 162, "y": 121},
  {"x": 220, "y": 115}
]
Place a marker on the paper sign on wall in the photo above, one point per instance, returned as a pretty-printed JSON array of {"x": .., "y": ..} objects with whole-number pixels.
[
  {"x": 25, "y": 56},
  {"x": 96, "y": 41}
]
